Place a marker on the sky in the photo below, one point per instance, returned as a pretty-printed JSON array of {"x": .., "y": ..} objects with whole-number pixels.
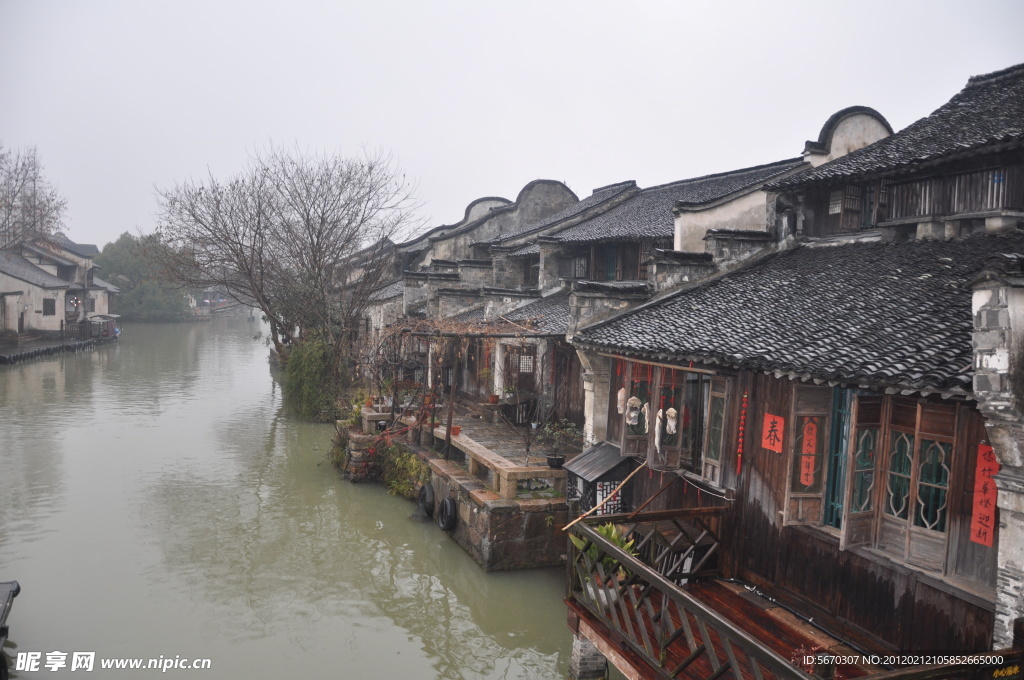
[{"x": 122, "y": 98}]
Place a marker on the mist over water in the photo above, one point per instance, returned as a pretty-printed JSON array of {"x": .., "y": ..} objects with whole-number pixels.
[{"x": 156, "y": 500}]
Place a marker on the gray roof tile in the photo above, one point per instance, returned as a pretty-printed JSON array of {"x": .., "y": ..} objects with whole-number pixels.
[
  {"x": 896, "y": 314},
  {"x": 392, "y": 290},
  {"x": 987, "y": 112},
  {"x": 18, "y": 267},
  {"x": 598, "y": 197},
  {"x": 648, "y": 215},
  {"x": 549, "y": 316}
]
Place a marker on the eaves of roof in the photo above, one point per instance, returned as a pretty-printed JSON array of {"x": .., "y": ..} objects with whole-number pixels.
[
  {"x": 18, "y": 267},
  {"x": 986, "y": 116},
  {"x": 886, "y": 315}
]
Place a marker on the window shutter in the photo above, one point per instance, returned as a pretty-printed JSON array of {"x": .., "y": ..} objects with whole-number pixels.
[
  {"x": 808, "y": 436},
  {"x": 862, "y": 480}
]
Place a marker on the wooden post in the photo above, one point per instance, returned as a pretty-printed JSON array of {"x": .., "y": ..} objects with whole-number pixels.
[{"x": 451, "y": 400}]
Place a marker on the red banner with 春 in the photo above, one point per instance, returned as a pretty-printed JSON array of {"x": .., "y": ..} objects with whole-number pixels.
[
  {"x": 771, "y": 433},
  {"x": 986, "y": 496}
]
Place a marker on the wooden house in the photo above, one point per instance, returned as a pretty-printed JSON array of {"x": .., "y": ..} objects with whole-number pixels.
[{"x": 828, "y": 418}]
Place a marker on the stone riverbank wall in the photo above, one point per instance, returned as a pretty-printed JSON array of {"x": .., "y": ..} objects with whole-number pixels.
[{"x": 499, "y": 533}]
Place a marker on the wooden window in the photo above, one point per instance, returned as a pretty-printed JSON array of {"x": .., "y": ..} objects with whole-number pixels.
[
  {"x": 519, "y": 367},
  {"x": 711, "y": 468},
  {"x": 913, "y": 519},
  {"x": 646, "y": 251},
  {"x": 531, "y": 271},
  {"x": 613, "y": 506},
  {"x": 676, "y": 418},
  {"x": 809, "y": 426},
  {"x": 886, "y": 475},
  {"x": 835, "y": 202},
  {"x": 838, "y": 448},
  {"x": 575, "y": 267}
]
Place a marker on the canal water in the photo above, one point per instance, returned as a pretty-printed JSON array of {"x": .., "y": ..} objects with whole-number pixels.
[{"x": 156, "y": 501}]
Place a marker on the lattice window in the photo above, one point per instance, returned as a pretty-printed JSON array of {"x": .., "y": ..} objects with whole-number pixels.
[
  {"x": 897, "y": 491},
  {"x": 933, "y": 485},
  {"x": 49, "y": 307},
  {"x": 864, "y": 470},
  {"x": 613, "y": 506},
  {"x": 835, "y": 202}
]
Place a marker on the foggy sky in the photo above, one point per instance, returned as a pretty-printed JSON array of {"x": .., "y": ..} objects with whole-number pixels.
[{"x": 473, "y": 98}]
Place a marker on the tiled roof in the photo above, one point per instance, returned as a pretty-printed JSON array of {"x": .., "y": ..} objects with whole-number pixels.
[
  {"x": 893, "y": 315},
  {"x": 472, "y": 316},
  {"x": 392, "y": 290},
  {"x": 648, "y": 215},
  {"x": 711, "y": 188},
  {"x": 42, "y": 252},
  {"x": 528, "y": 249},
  {"x": 100, "y": 283},
  {"x": 595, "y": 461},
  {"x": 80, "y": 249},
  {"x": 598, "y": 197},
  {"x": 989, "y": 111},
  {"x": 549, "y": 316},
  {"x": 18, "y": 267},
  {"x": 611, "y": 286}
]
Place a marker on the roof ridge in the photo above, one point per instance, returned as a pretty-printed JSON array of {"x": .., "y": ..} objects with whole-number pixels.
[
  {"x": 714, "y": 175},
  {"x": 624, "y": 183},
  {"x": 994, "y": 76}
]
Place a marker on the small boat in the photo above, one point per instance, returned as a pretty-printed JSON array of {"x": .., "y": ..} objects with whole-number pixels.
[
  {"x": 8, "y": 591},
  {"x": 104, "y": 327}
]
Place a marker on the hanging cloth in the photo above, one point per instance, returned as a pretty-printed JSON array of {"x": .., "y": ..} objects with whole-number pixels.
[{"x": 632, "y": 411}]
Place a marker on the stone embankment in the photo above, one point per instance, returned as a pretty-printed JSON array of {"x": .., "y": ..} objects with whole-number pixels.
[{"x": 14, "y": 355}]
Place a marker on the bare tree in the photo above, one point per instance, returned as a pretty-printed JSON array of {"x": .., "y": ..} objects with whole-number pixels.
[
  {"x": 303, "y": 237},
  {"x": 29, "y": 202}
]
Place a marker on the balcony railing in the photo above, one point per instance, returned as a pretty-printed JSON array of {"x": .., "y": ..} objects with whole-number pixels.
[
  {"x": 981, "y": 191},
  {"x": 644, "y": 607},
  {"x": 636, "y": 599}
]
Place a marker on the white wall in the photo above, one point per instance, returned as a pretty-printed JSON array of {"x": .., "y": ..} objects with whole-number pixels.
[{"x": 746, "y": 213}]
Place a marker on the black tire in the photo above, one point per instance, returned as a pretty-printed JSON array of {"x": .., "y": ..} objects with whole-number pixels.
[
  {"x": 447, "y": 513},
  {"x": 427, "y": 499}
]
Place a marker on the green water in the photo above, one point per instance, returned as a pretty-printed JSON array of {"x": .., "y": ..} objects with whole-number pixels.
[{"x": 157, "y": 501}]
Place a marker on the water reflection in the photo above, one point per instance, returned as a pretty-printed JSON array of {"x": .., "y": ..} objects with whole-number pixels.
[{"x": 169, "y": 467}]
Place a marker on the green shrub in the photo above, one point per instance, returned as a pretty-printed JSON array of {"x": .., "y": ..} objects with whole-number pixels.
[
  {"x": 401, "y": 470},
  {"x": 309, "y": 389}
]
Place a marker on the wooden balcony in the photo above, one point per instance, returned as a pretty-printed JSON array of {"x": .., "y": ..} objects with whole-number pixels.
[
  {"x": 659, "y": 611},
  {"x": 981, "y": 192}
]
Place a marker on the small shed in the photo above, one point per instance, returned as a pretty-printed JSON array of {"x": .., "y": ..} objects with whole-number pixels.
[{"x": 595, "y": 474}]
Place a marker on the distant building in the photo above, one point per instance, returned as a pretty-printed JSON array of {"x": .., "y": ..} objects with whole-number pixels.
[{"x": 48, "y": 282}]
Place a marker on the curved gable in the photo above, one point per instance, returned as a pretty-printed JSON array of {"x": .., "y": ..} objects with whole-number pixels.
[{"x": 847, "y": 130}]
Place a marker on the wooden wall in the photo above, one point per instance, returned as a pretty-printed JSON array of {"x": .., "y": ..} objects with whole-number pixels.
[{"x": 876, "y": 602}]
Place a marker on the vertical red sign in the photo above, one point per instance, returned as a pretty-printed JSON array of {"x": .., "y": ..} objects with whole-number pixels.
[
  {"x": 808, "y": 451},
  {"x": 771, "y": 433},
  {"x": 986, "y": 496}
]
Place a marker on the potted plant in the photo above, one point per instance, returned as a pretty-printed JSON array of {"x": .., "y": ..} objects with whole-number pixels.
[
  {"x": 561, "y": 435},
  {"x": 455, "y": 430}
]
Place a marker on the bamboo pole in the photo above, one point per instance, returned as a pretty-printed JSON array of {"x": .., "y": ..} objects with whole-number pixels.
[
  {"x": 648, "y": 501},
  {"x": 607, "y": 498}
]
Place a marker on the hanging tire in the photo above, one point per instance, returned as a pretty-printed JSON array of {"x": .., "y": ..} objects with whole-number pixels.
[
  {"x": 427, "y": 499},
  {"x": 446, "y": 514}
]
